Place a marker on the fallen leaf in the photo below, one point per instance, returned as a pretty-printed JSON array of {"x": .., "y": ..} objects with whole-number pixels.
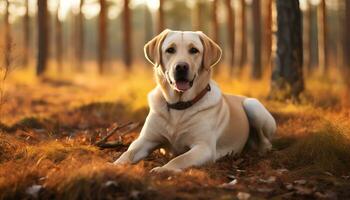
[
  {"x": 303, "y": 190},
  {"x": 34, "y": 190},
  {"x": 326, "y": 195},
  {"x": 265, "y": 190},
  {"x": 271, "y": 179},
  {"x": 282, "y": 171},
  {"x": 241, "y": 170},
  {"x": 111, "y": 183},
  {"x": 289, "y": 186},
  {"x": 230, "y": 176},
  {"x": 300, "y": 182},
  {"x": 328, "y": 173},
  {"x": 243, "y": 195},
  {"x": 135, "y": 194},
  {"x": 233, "y": 182},
  {"x": 229, "y": 185}
]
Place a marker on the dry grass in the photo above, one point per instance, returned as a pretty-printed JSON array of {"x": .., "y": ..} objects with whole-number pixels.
[{"x": 48, "y": 128}]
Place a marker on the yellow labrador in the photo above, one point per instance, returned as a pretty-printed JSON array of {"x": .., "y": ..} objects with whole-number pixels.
[{"x": 188, "y": 112}]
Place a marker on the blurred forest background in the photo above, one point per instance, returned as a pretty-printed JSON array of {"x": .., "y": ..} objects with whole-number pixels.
[
  {"x": 107, "y": 33},
  {"x": 73, "y": 70}
]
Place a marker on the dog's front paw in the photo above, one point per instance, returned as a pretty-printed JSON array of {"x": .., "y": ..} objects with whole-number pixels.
[
  {"x": 120, "y": 162},
  {"x": 123, "y": 159},
  {"x": 158, "y": 170}
]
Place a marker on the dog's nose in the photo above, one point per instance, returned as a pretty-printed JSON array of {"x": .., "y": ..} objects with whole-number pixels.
[{"x": 181, "y": 67}]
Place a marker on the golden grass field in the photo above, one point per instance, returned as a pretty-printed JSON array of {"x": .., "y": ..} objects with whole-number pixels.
[{"x": 49, "y": 127}]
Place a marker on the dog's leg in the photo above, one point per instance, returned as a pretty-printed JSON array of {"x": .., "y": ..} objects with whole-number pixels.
[
  {"x": 148, "y": 140},
  {"x": 264, "y": 144},
  {"x": 262, "y": 121},
  {"x": 138, "y": 149},
  {"x": 197, "y": 155}
]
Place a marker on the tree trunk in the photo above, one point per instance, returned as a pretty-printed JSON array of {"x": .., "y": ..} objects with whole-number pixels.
[
  {"x": 268, "y": 33},
  {"x": 80, "y": 37},
  {"x": 198, "y": 22},
  {"x": 42, "y": 37},
  {"x": 8, "y": 38},
  {"x": 102, "y": 37},
  {"x": 346, "y": 51},
  {"x": 59, "y": 41},
  {"x": 257, "y": 69},
  {"x": 230, "y": 32},
  {"x": 26, "y": 34},
  {"x": 127, "y": 35},
  {"x": 308, "y": 38},
  {"x": 160, "y": 17},
  {"x": 322, "y": 37},
  {"x": 287, "y": 76},
  {"x": 148, "y": 24},
  {"x": 243, "y": 59},
  {"x": 215, "y": 22}
]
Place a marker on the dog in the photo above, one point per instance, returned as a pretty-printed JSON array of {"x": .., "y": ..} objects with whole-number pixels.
[{"x": 188, "y": 112}]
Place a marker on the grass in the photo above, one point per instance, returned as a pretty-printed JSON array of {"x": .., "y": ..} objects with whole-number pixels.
[
  {"x": 326, "y": 149},
  {"x": 48, "y": 129}
]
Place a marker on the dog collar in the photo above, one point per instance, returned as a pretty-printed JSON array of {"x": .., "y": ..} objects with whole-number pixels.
[{"x": 182, "y": 105}]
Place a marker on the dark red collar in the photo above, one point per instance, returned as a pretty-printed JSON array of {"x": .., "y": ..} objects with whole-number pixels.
[{"x": 182, "y": 105}]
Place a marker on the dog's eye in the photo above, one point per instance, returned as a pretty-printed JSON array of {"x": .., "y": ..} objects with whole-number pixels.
[
  {"x": 170, "y": 50},
  {"x": 193, "y": 50}
]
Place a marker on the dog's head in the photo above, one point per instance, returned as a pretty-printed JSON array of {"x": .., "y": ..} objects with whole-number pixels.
[{"x": 182, "y": 56}]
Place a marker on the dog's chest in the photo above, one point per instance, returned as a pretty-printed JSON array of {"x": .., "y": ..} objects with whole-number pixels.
[{"x": 178, "y": 131}]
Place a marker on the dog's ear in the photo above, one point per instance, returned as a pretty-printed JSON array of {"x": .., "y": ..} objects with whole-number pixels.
[
  {"x": 152, "y": 49},
  {"x": 212, "y": 52}
]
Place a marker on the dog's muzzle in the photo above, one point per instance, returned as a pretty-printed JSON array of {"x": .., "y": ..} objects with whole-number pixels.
[{"x": 181, "y": 73}]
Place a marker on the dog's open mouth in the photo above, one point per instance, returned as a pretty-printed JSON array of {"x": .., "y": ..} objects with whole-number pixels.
[{"x": 182, "y": 85}]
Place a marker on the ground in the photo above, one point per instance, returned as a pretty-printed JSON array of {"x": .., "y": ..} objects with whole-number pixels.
[{"x": 49, "y": 127}]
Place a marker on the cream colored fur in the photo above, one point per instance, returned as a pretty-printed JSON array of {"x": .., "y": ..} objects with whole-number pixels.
[{"x": 217, "y": 125}]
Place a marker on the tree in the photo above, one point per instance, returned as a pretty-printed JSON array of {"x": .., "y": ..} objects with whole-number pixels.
[
  {"x": 8, "y": 38},
  {"x": 102, "y": 37},
  {"x": 215, "y": 26},
  {"x": 287, "y": 76},
  {"x": 80, "y": 36},
  {"x": 58, "y": 38},
  {"x": 322, "y": 37},
  {"x": 230, "y": 32},
  {"x": 257, "y": 69},
  {"x": 148, "y": 24},
  {"x": 127, "y": 34},
  {"x": 26, "y": 33},
  {"x": 243, "y": 58},
  {"x": 346, "y": 51},
  {"x": 308, "y": 38},
  {"x": 215, "y": 22},
  {"x": 198, "y": 22},
  {"x": 42, "y": 37},
  {"x": 268, "y": 32},
  {"x": 160, "y": 17}
]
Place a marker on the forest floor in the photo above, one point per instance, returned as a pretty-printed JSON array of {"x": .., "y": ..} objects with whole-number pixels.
[{"x": 49, "y": 128}]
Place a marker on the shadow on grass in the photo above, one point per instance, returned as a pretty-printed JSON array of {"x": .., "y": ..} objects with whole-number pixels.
[
  {"x": 325, "y": 149},
  {"x": 93, "y": 115}
]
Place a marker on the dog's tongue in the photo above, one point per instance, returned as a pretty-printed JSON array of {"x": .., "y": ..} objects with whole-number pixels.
[{"x": 182, "y": 85}]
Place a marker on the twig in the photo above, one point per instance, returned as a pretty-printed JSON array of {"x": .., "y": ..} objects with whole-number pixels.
[
  {"x": 111, "y": 132},
  {"x": 111, "y": 144},
  {"x": 103, "y": 142}
]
